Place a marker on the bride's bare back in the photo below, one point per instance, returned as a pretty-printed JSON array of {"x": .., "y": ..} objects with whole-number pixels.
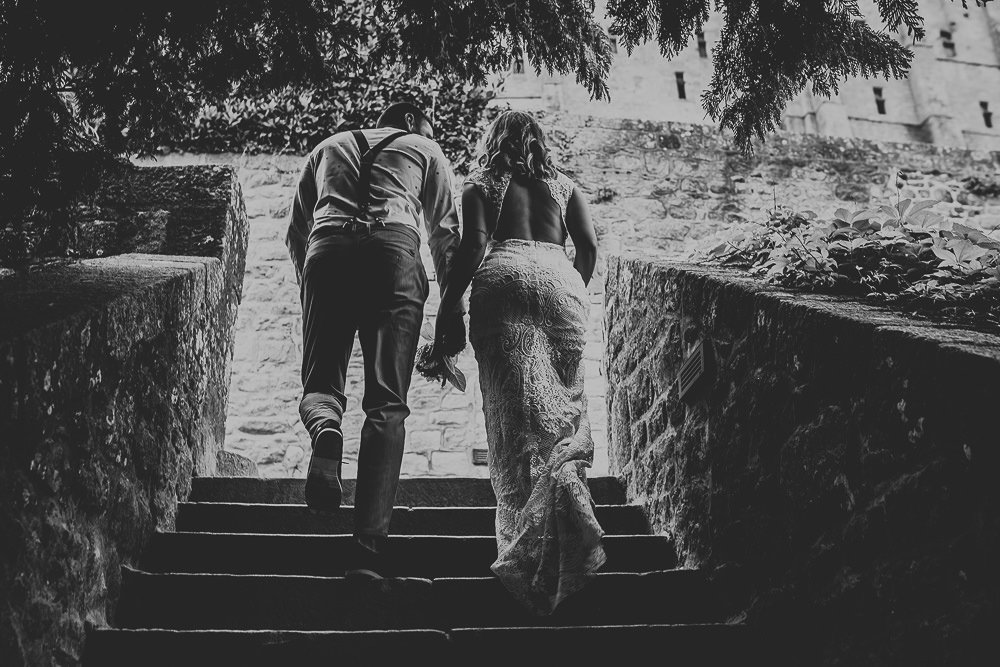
[
  {"x": 504, "y": 207},
  {"x": 529, "y": 212}
]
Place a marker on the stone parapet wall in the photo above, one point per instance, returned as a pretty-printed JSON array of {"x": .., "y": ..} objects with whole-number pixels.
[
  {"x": 666, "y": 187},
  {"x": 113, "y": 382},
  {"x": 836, "y": 470}
]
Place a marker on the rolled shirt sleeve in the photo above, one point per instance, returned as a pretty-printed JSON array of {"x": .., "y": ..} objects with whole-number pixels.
[
  {"x": 301, "y": 217},
  {"x": 440, "y": 216}
]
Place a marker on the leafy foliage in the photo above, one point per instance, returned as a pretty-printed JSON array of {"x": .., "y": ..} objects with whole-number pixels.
[
  {"x": 116, "y": 80},
  {"x": 769, "y": 52},
  {"x": 907, "y": 255},
  {"x": 81, "y": 85},
  {"x": 295, "y": 119}
]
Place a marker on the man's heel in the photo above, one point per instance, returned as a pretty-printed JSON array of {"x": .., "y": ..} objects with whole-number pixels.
[{"x": 324, "y": 490}]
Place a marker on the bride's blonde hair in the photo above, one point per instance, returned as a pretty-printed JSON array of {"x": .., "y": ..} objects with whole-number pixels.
[{"x": 515, "y": 143}]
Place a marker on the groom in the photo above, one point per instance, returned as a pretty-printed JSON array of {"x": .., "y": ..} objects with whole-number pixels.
[{"x": 354, "y": 239}]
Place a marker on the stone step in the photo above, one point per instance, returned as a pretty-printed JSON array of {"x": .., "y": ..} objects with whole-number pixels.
[
  {"x": 682, "y": 645},
  {"x": 211, "y": 648},
  {"x": 418, "y": 492},
  {"x": 407, "y": 556},
  {"x": 712, "y": 645},
  {"x": 671, "y": 596},
  {"x": 285, "y": 518},
  {"x": 247, "y": 602}
]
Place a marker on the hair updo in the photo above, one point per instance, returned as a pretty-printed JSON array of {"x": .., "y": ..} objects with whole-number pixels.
[{"x": 515, "y": 144}]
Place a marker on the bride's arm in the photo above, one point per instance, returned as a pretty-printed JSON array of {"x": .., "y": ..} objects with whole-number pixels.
[
  {"x": 469, "y": 255},
  {"x": 581, "y": 230}
]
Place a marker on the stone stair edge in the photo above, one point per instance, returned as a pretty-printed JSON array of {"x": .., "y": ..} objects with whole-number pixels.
[
  {"x": 136, "y": 571},
  {"x": 392, "y": 538},
  {"x": 463, "y": 508}
]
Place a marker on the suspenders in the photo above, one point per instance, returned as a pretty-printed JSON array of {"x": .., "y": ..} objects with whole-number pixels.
[{"x": 368, "y": 156}]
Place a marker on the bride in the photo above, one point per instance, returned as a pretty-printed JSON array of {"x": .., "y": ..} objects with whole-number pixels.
[{"x": 528, "y": 315}]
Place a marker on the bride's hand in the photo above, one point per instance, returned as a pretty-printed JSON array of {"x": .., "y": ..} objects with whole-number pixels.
[{"x": 449, "y": 333}]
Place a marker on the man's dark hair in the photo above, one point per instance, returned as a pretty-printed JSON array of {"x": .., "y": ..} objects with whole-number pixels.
[{"x": 395, "y": 115}]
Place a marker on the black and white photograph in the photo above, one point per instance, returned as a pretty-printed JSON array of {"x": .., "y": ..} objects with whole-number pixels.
[{"x": 500, "y": 332}]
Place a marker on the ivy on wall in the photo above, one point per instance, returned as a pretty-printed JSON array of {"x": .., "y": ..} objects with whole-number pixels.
[
  {"x": 295, "y": 119},
  {"x": 905, "y": 254}
]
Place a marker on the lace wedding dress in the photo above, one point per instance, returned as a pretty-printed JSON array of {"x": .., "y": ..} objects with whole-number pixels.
[{"x": 528, "y": 313}]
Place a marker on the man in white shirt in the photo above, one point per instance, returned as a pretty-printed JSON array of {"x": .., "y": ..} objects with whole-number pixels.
[{"x": 355, "y": 242}]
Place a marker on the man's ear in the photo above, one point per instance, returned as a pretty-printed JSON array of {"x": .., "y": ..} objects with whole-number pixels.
[{"x": 411, "y": 122}]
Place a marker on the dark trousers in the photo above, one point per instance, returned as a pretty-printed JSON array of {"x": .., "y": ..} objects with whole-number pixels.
[{"x": 369, "y": 281}]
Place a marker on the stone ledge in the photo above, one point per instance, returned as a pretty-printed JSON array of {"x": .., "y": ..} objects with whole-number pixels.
[
  {"x": 114, "y": 377},
  {"x": 838, "y": 468}
]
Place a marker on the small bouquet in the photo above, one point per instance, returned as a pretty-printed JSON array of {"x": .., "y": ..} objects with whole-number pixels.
[{"x": 436, "y": 360}]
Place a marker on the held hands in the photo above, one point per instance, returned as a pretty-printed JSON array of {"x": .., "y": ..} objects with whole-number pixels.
[
  {"x": 449, "y": 333},
  {"x": 436, "y": 361}
]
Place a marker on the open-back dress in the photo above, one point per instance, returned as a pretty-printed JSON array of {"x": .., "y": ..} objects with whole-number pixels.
[{"x": 528, "y": 316}]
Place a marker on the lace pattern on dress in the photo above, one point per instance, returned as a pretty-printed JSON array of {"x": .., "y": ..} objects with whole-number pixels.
[{"x": 528, "y": 320}]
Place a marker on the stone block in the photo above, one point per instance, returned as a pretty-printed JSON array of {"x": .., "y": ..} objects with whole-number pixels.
[
  {"x": 232, "y": 464},
  {"x": 424, "y": 441},
  {"x": 414, "y": 465},
  {"x": 451, "y": 463}
]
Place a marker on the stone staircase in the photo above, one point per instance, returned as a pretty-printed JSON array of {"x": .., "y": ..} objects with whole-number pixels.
[{"x": 252, "y": 577}]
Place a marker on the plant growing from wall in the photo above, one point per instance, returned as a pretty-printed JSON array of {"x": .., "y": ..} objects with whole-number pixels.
[{"x": 907, "y": 255}]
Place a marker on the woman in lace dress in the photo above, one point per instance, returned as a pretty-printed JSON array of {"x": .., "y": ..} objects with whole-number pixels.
[{"x": 528, "y": 317}]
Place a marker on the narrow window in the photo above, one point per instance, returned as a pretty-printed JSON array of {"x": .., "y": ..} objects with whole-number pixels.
[
  {"x": 518, "y": 66},
  {"x": 879, "y": 101},
  {"x": 948, "y": 43},
  {"x": 614, "y": 44},
  {"x": 681, "y": 93},
  {"x": 987, "y": 114},
  {"x": 702, "y": 44}
]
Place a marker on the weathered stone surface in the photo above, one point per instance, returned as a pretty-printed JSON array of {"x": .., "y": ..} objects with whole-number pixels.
[
  {"x": 113, "y": 383},
  {"x": 838, "y": 469},
  {"x": 231, "y": 464}
]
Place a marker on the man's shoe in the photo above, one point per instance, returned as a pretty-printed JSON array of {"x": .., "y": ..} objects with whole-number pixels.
[
  {"x": 362, "y": 574},
  {"x": 366, "y": 556},
  {"x": 323, "y": 488}
]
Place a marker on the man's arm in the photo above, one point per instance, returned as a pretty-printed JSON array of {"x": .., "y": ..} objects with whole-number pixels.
[
  {"x": 301, "y": 218},
  {"x": 440, "y": 216}
]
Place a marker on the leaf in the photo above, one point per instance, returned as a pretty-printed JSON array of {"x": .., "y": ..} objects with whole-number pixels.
[
  {"x": 921, "y": 205},
  {"x": 842, "y": 214},
  {"x": 889, "y": 211},
  {"x": 927, "y": 221},
  {"x": 902, "y": 206},
  {"x": 718, "y": 250},
  {"x": 976, "y": 236},
  {"x": 863, "y": 214},
  {"x": 965, "y": 251}
]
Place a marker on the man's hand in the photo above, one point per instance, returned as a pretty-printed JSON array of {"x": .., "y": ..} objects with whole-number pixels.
[{"x": 449, "y": 333}]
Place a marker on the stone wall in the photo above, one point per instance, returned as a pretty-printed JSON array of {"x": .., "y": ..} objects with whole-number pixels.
[
  {"x": 661, "y": 186},
  {"x": 836, "y": 470},
  {"x": 113, "y": 384}
]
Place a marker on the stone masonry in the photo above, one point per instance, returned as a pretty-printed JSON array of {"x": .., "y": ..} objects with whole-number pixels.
[
  {"x": 664, "y": 187},
  {"x": 114, "y": 373},
  {"x": 835, "y": 468}
]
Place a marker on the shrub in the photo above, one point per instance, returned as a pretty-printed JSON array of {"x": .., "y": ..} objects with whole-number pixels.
[
  {"x": 906, "y": 255},
  {"x": 295, "y": 119}
]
